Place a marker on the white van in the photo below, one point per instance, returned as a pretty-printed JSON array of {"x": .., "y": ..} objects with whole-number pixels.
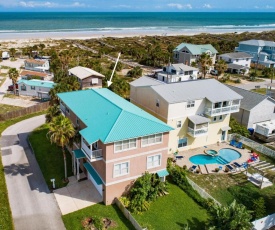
[{"x": 5, "y": 55}]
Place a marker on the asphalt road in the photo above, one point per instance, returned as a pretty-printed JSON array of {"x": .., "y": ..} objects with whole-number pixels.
[{"x": 33, "y": 206}]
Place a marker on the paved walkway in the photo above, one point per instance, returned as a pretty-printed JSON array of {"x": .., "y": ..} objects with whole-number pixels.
[
  {"x": 33, "y": 206},
  {"x": 76, "y": 195}
]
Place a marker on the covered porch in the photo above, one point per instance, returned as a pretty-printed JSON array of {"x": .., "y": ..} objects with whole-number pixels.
[{"x": 197, "y": 125}]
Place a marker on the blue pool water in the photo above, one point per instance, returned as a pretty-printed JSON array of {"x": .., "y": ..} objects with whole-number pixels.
[{"x": 225, "y": 157}]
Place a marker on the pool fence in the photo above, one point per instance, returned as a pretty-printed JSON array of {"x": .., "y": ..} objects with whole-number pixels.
[{"x": 252, "y": 144}]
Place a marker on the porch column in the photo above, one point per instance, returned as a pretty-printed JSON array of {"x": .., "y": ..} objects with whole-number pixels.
[
  {"x": 74, "y": 164},
  {"x": 77, "y": 175}
]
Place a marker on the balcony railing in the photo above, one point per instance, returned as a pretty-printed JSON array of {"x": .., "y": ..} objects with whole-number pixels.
[
  {"x": 92, "y": 155},
  {"x": 222, "y": 110},
  {"x": 197, "y": 132}
]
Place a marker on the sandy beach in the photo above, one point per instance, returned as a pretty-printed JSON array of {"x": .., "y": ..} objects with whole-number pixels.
[{"x": 18, "y": 39}]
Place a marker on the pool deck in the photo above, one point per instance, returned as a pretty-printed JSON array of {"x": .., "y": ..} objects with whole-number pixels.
[{"x": 210, "y": 168}]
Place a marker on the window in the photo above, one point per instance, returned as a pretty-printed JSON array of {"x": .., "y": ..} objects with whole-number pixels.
[
  {"x": 86, "y": 143},
  {"x": 214, "y": 118},
  {"x": 182, "y": 142},
  {"x": 190, "y": 104},
  {"x": 220, "y": 117},
  {"x": 77, "y": 121},
  {"x": 153, "y": 161},
  {"x": 247, "y": 59},
  {"x": 237, "y": 60},
  {"x": 125, "y": 145},
  {"x": 121, "y": 169},
  {"x": 67, "y": 110},
  {"x": 178, "y": 124},
  {"x": 33, "y": 87},
  {"x": 157, "y": 102},
  {"x": 152, "y": 139},
  {"x": 23, "y": 88}
]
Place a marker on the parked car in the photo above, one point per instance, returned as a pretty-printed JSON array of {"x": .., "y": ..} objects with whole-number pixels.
[
  {"x": 10, "y": 87},
  {"x": 214, "y": 72}
]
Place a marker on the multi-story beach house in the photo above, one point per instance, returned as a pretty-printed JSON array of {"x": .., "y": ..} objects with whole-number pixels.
[
  {"x": 254, "y": 108},
  {"x": 37, "y": 65},
  {"x": 176, "y": 73},
  {"x": 35, "y": 88},
  {"x": 199, "y": 111},
  {"x": 263, "y": 52},
  {"x": 87, "y": 78},
  {"x": 189, "y": 53},
  {"x": 119, "y": 141},
  {"x": 238, "y": 62}
]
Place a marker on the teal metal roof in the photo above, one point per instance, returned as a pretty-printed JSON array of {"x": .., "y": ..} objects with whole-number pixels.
[
  {"x": 79, "y": 154},
  {"x": 109, "y": 117},
  {"x": 196, "y": 49},
  {"x": 93, "y": 173},
  {"x": 163, "y": 173},
  {"x": 39, "y": 83}
]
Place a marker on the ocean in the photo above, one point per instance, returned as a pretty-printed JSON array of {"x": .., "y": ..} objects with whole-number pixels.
[{"x": 134, "y": 22}]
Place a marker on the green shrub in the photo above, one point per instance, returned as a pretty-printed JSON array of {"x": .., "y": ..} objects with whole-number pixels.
[{"x": 259, "y": 208}]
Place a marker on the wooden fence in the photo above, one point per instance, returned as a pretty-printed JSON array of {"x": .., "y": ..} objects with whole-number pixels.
[
  {"x": 128, "y": 215},
  {"x": 24, "y": 111}
]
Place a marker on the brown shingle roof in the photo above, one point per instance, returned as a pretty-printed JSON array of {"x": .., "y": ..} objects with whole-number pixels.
[
  {"x": 32, "y": 73},
  {"x": 41, "y": 62}
]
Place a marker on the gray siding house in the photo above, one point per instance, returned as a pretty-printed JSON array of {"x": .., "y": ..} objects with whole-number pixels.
[{"x": 254, "y": 108}]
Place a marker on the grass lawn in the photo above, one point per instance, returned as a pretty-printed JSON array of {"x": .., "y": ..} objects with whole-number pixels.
[
  {"x": 226, "y": 188},
  {"x": 5, "y": 212},
  {"x": 73, "y": 220},
  {"x": 173, "y": 211},
  {"x": 50, "y": 157},
  {"x": 260, "y": 90},
  {"x": 8, "y": 108}
]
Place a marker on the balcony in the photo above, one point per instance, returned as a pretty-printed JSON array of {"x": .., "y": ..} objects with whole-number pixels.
[
  {"x": 223, "y": 110},
  {"x": 91, "y": 153},
  {"x": 197, "y": 132}
]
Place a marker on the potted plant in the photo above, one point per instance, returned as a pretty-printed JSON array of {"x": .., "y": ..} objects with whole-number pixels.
[{"x": 217, "y": 169}]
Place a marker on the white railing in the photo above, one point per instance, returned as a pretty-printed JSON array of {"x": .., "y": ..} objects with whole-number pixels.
[
  {"x": 92, "y": 155},
  {"x": 97, "y": 153},
  {"x": 197, "y": 132},
  {"x": 223, "y": 110}
]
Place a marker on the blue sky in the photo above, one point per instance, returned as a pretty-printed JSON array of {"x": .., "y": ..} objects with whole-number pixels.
[{"x": 139, "y": 5}]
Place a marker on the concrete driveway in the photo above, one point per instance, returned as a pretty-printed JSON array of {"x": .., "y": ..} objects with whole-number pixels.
[
  {"x": 76, "y": 195},
  {"x": 33, "y": 206}
]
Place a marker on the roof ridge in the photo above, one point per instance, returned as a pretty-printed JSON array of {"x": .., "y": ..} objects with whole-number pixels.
[{"x": 265, "y": 96}]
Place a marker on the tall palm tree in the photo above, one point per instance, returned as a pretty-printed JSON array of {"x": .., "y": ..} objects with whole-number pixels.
[
  {"x": 52, "y": 112},
  {"x": 232, "y": 217},
  {"x": 221, "y": 66},
  {"x": 60, "y": 132},
  {"x": 13, "y": 75},
  {"x": 204, "y": 62}
]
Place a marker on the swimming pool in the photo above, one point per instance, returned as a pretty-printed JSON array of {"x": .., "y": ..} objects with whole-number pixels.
[{"x": 225, "y": 157}]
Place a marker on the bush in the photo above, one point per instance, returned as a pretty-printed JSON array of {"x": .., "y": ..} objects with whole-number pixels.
[
  {"x": 238, "y": 128},
  {"x": 238, "y": 80},
  {"x": 259, "y": 208}
]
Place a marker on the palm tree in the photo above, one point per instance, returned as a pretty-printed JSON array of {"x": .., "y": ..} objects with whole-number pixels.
[
  {"x": 232, "y": 217},
  {"x": 13, "y": 75},
  {"x": 52, "y": 112},
  {"x": 60, "y": 132},
  {"x": 12, "y": 52},
  {"x": 221, "y": 66},
  {"x": 204, "y": 62}
]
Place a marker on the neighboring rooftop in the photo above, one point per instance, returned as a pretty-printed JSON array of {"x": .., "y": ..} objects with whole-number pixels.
[
  {"x": 146, "y": 81},
  {"x": 35, "y": 61},
  {"x": 39, "y": 83},
  {"x": 181, "y": 66},
  {"x": 211, "y": 89},
  {"x": 236, "y": 55},
  {"x": 110, "y": 118},
  {"x": 83, "y": 72},
  {"x": 33, "y": 73},
  {"x": 196, "y": 49},
  {"x": 261, "y": 43},
  {"x": 250, "y": 99}
]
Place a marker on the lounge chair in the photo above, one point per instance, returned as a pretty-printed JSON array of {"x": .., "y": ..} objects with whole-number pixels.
[
  {"x": 179, "y": 157},
  {"x": 230, "y": 168},
  {"x": 232, "y": 142},
  {"x": 239, "y": 145},
  {"x": 236, "y": 164},
  {"x": 193, "y": 168}
]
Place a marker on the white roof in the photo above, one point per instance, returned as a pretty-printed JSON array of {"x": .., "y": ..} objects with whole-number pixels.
[
  {"x": 183, "y": 67},
  {"x": 146, "y": 81},
  {"x": 197, "y": 119},
  {"x": 83, "y": 72},
  {"x": 210, "y": 89},
  {"x": 270, "y": 125}
]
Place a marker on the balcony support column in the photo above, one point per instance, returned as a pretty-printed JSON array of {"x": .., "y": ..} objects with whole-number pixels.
[{"x": 77, "y": 175}]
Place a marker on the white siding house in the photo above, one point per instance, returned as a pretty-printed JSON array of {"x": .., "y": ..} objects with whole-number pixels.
[
  {"x": 35, "y": 88},
  {"x": 37, "y": 65}
]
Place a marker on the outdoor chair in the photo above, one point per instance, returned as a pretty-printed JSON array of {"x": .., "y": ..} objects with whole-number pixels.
[
  {"x": 193, "y": 168},
  {"x": 179, "y": 157},
  {"x": 232, "y": 142},
  {"x": 230, "y": 168},
  {"x": 236, "y": 164},
  {"x": 239, "y": 145}
]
